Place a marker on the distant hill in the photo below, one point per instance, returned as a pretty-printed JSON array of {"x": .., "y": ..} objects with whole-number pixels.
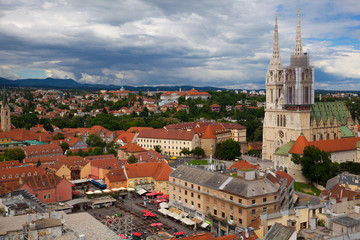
[{"x": 72, "y": 84}]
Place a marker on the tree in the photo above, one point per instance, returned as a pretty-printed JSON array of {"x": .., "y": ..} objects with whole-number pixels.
[
  {"x": 132, "y": 159},
  {"x": 316, "y": 165},
  {"x": 95, "y": 141},
  {"x": 58, "y": 136},
  {"x": 64, "y": 146},
  {"x": 198, "y": 152},
  {"x": 112, "y": 150},
  {"x": 15, "y": 154},
  {"x": 38, "y": 164},
  {"x": 48, "y": 127},
  {"x": 185, "y": 151},
  {"x": 228, "y": 149},
  {"x": 98, "y": 151},
  {"x": 157, "y": 148}
]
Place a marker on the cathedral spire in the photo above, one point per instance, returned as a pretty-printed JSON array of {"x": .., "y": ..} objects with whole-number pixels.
[
  {"x": 298, "y": 43},
  {"x": 276, "y": 60}
]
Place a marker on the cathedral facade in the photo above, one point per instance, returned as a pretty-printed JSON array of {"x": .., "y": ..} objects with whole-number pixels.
[{"x": 290, "y": 108}]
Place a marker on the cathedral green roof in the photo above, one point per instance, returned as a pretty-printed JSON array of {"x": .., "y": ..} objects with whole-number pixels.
[
  {"x": 331, "y": 110},
  {"x": 346, "y": 132},
  {"x": 284, "y": 150}
]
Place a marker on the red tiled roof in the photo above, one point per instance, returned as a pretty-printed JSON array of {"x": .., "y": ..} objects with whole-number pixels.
[
  {"x": 9, "y": 164},
  {"x": 105, "y": 163},
  {"x": 338, "y": 192},
  {"x": 126, "y": 137},
  {"x": 299, "y": 145},
  {"x": 17, "y": 172},
  {"x": 42, "y": 181},
  {"x": 44, "y": 149},
  {"x": 72, "y": 162},
  {"x": 137, "y": 129},
  {"x": 116, "y": 175},
  {"x": 132, "y": 148},
  {"x": 159, "y": 171},
  {"x": 233, "y": 126},
  {"x": 255, "y": 145},
  {"x": 333, "y": 145},
  {"x": 286, "y": 176},
  {"x": 166, "y": 134},
  {"x": 23, "y": 134},
  {"x": 244, "y": 165},
  {"x": 150, "y": 156},
  {"x": 208, "y": 134},
  {"x": 45, "y": 159},
  {"x": 97, "y": 157}
]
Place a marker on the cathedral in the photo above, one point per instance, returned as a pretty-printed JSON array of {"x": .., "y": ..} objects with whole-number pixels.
[{"x": 290, "y": 108}]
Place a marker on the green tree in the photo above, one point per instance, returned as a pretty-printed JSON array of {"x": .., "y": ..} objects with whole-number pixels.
[
  {"x": 316, "y": 165},
  {"x": 48, "y": 127},
  {"x": 15, "y": 154},
  {"x": 38, "y": 164},
  {"x": 112, "y": 150},
  {"x": 64, "y": 146},
  {"x": 132, "y": 159},
  {"x": 157, "y": 148},
  {"x": 185, "y": 151},
  {"x": 69, "y": 153},
  {"x": 198, "y": 152},
  {"x": 228, "y": 149},
  {"x": 95, "y": 141},
  {"x": 58, "y": 136},
  {"x": 98, "y": 151}
]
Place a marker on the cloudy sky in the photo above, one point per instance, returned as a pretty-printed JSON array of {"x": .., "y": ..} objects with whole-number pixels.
[{"x": 161, "y": 42}]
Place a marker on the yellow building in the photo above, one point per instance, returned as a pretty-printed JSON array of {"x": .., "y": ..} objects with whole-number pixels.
[
  {"x": 226, "y": 200},
  {"x": 71, "y": 168},
  {"x": 150, "y": 176}
]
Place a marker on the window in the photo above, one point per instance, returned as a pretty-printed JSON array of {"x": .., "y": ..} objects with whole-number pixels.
[
  {"x": 199, "y": 206},
  {"x": 174, "y": 196},
  {"x": 275, "y": 207},
  {"x": 215, "y": 212},
  {"x": 179, "y": 190},
  {"x": 240, "y": 220},
  {"x": 192, "y": 203},
  {"x": 264, "y": 209},
  {"x": 44, "y": 196},
  {"x": 185, "y": 192},
  {"x": 199, "y": 188},
  {"x": 49, "y": 196},
  {"x": 36, "y": 195},
  {"x": 185, "y": 183},
  {"x": 192, "y": 194},
  {"x": 174, "y": 188},
  {"x": 207, "y": 209},
  {"x": 185, "y": 200},
  {"x": 192, "y": 185},
  {"x": 240, "y": 210},
  {"x": 10, "y": 176},
  {"x": 160, "y": 185},
  {"x": 207, "y": 199},
  {"x": 253, "y": 201},
  {"x": 231, "y": 198},
  {"x": 264, "y": 199},
  {"x": 179, "y": 198},
  {"x": 253, "y": 212},
  {"x": 240, "y": 200},
  {"x": 231, "y": 208},
  {"x": 198, "y": 196},
  {"x": 223, "y": 214}
]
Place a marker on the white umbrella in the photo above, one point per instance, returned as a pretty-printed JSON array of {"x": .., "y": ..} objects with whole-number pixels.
[
  {"x": 106, "y": 191},
  {"x": 122, "y": 188},
  {"x": 89, "y": 193},
  {"x": 97, "y": 191},
  {"x": 115, "y": 189},
  {"x": 131, "y": 189}
]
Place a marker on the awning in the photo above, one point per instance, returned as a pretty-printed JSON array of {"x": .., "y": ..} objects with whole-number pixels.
[
  {"x": 204, "y": 225},
  {"x": 177, "y": 217},
  {"x": 164, "y": 205},
  {"x": 164, "y": 211},
  {"x": 187, "y": 221},
  {"x": 141, "y": 191},
  {"x": 173, "y": 214}
]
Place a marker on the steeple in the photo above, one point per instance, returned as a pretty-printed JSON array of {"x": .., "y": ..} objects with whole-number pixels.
[
  {"x": 4, "y": 101},
  {"x": 276, "y": 60},
  {"x": 298, "y": 43}
]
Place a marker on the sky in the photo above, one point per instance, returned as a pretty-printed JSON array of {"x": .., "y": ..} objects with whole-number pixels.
[{"x": 160, "y": 42}]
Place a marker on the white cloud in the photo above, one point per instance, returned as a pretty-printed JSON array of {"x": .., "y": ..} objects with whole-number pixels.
[{"x": 137, "y": 42}]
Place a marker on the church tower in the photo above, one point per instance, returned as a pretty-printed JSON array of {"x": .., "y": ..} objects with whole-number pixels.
[
  {"x": 289, "y": 95},
  {"x": 5, "y": 114}
]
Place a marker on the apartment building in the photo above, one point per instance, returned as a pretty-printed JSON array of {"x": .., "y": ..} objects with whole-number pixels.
[
  {"x": 225, "y": 200},
  {"x": 171, "y": 142}
]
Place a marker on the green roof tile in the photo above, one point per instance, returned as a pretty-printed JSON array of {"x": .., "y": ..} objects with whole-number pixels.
[
  {"x": 284, "y": 150},
  {"x": 346, "y": 132},
  {"x": 331, "y": 110}
]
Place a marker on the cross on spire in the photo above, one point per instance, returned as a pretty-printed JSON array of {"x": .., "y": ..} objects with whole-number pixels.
[
  {"x": 276, "y": 60},
  {"x": 298, "y": 43}
]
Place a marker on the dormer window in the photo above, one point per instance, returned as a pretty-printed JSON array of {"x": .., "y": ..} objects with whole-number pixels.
[
  {"x": 4, "y": 177},
  {"x": 10, "y": 176},
  {"x": 29, "y": 174},
  {"x": 35, "y": 173},
  {"x": 17, "y": 176}
]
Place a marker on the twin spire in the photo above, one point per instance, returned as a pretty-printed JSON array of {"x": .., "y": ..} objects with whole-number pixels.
[{"x": 276, "y": 60}]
